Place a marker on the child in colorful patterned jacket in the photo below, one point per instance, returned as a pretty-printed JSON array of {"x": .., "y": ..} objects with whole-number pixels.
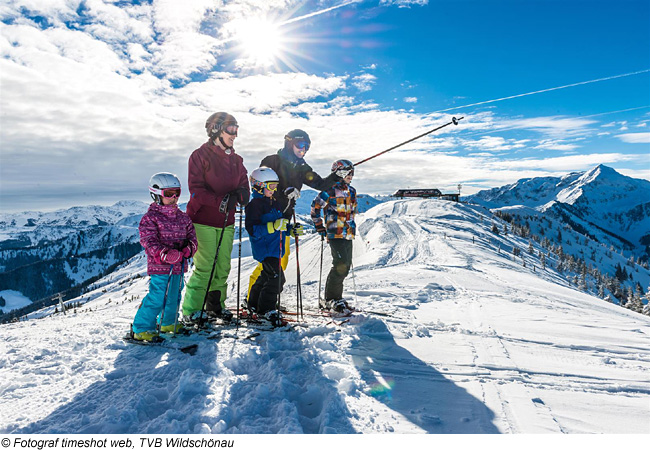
[
  {"x": 340, "y": 207},
  {"x": 168, "y": 236}
]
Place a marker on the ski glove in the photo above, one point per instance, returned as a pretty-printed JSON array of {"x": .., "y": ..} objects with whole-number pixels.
[
  {"x": 187, "y": 252},
  {"x": 240, "y": 196},
  {"x": 278, "y": 225},
  {"x": 343, "y": 173},
  {"x": 292, "y": 193},
  {"x": 322, "y": 231},
  {"x": 296, "y": 230},
  {"x": 171, "y": 256}
]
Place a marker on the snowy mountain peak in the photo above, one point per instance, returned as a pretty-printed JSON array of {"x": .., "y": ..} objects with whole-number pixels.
[{"x": 74, "y": 216}]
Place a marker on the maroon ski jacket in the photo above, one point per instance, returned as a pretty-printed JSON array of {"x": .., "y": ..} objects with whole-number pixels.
[{"x": 212, "y": 173}]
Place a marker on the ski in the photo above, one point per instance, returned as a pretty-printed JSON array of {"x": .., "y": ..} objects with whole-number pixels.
[{"x": 189, "y": 349}]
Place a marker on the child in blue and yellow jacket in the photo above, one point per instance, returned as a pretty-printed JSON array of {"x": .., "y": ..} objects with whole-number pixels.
[{"x": 267, "y": 227}]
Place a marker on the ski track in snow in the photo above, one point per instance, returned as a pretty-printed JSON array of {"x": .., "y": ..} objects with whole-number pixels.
[{"x": 474, "y": 343}]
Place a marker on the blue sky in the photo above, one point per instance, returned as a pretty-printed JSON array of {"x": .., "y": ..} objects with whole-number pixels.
[{"x": 99, "y": 95}]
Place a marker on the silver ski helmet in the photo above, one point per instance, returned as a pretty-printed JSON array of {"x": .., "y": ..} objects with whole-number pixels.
[
  {"x": 261, "y": 176},
  {"x": 298, "y": 137},
  {"x": 161, "y": 182},
  {"x": 221, "y": 121}
]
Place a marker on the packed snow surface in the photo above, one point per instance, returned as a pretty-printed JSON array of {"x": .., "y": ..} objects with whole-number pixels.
[{"x": 474, "y": 343}]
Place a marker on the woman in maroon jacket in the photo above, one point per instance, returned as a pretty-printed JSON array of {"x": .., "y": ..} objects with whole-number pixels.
[{"x": 218, "y": 181}]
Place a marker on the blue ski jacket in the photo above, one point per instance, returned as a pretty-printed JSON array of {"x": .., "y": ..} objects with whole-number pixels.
[{"x": 259, "y": 212}]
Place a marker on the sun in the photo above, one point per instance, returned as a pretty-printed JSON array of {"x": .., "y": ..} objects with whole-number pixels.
[{"x": 260, "y": 40}]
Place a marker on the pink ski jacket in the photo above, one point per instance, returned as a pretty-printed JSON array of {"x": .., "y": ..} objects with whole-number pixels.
[{"x": 162, "y": 228}]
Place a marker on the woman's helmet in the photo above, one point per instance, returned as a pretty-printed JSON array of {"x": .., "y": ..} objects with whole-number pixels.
[
  {"x": 261, "y": 177},
  {"x": 221, "y": 121},
  {"x": 164, "y": 184}
]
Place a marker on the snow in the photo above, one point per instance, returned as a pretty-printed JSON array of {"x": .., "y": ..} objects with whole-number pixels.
[
  {"x": 13, "y": 300},
  {"x": 474, "y": 343}
]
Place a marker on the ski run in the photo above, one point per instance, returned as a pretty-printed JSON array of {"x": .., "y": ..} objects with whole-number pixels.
[{"x": 463, "y": 339}]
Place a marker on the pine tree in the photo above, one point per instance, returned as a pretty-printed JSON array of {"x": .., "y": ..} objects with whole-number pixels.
[{"x": 634, "y": 302}]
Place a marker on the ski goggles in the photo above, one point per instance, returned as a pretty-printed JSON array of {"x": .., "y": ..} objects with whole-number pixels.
[
  {"x": 271, "y": 186},
  {"x": 302, "y": 145},
  {"x": 167, "y": 192},
  {"x": 231, "y": 128}
]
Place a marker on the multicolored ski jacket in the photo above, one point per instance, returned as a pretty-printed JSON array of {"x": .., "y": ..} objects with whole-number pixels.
[
  {"x": 165, "y": 227},
  {"x": 340, "y": 205}
]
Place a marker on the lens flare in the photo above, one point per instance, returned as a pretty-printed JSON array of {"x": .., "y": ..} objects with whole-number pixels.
[{"x": 261, "y": 40}]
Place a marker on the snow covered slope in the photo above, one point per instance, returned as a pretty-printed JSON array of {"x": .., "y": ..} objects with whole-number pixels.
[
  {"x": 475, "y": 343},
  {"x": 601, "y": 202},
  {"x": 44, "y": 253}
]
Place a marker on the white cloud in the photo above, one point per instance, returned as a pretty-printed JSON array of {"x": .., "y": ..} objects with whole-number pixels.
[
  {"x": 364, "y": 82},
  {"x": 495, "y": 143},
  {"x": 635, "y": 138},
  {"x": 411, "y": 99},
  {"x": 555, "y": 126},
  {"x": 553, "y": 144},
  {"x": 404, "y": 3}
]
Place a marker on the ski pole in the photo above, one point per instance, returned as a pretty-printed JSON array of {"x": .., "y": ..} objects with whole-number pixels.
[
  {"x": 354, "y": 284},
  {"x": 320, "y": 276},
  {"x": 162, "y": 314},
  {"x": 298, "y": 287},
  {"x": 180, "y": 289},
  {"x": 453, "y": 120},
  {"x": 277, "y": 305},
  {"x": 214, "y": 264},
  {"x": 241, "y": 214}
]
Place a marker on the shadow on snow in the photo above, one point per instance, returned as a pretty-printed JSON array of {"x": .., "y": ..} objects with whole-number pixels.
[{"x": 409, "y": 386}]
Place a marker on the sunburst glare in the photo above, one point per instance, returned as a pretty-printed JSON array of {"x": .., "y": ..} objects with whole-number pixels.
[{"x": 261, "y": 41}]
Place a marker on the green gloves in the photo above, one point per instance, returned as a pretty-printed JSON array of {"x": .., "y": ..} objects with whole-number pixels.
[
  {"x": 296, "y": 230},
  {"x": 278, "y": 225}
]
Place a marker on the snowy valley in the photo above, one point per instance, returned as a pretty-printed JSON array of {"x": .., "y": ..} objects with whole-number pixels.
[{"x": 459, "y": 336}]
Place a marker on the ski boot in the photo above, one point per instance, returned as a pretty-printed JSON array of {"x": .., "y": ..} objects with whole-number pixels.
[
  {"x": 223, "y": 315},
  {"x": 276, "y": 319},
  {"x": 178, "y": 329},
  {"x": 149, "y": 336}
]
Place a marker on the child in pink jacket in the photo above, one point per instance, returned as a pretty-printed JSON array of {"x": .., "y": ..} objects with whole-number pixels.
[{"x": 168, "y": 236}]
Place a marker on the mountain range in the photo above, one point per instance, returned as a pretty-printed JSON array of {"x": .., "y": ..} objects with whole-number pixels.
[{"x": 601, "y": 203}]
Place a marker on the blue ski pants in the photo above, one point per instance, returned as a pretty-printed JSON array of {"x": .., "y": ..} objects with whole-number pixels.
[{"x": 148, "y": 314}]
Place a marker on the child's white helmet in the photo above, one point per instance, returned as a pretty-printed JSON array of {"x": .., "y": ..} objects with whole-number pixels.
[
  {"x": 161, "y": 181},
  {"x": 261, "y": 176}
]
